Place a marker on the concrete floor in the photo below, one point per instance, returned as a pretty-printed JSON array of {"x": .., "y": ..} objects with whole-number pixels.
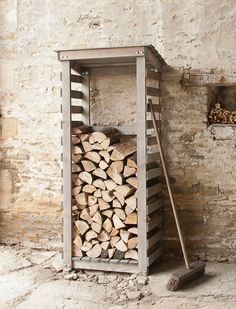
[{"x": 34, "y": 279}]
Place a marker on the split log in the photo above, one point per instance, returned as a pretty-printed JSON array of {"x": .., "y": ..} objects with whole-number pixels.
[
  {"x": 129, "y": 171},
  {"x": 103, "y": 236},
  {"x": 108, "y": 213},
  {"x": 77, "y": 150},
  {"x": 82, "y": 227},
  {"x": 131, "y": 204},
  {"x": 86, "y": 177},
  {"x": 120, "y": 197},
  {"x": 114, "y": 240},
  {"x": 106, "y": 143},
  {"x": 105, "y": 154},
  {"x": 111, "y": 252},
  {"x": 124, "y": 235},
  {"x": 86, "y": 246},
  {"x": 76, "y": 158},
  {"x": 87, "y": 146},
  {"x": 86, "y": 216},
  {"x": 90, "y": 235},
  {"x": 93, "y": 156},
  {"x": 116, "y": 204},
  {"x": 121, "y": 246},
  {"x": 94, "y": 241},
  {"x": 93, "y": 209},
  {"x": 114, "y": 171},
  {"x": 133, "y": 181},
  {"x": 110, "y": 184},
  {"x": 114, "y": 232},
  {"x": 120, "y": 213},
  {"x": 78, "y": 242},
  {"x": 88, "y": 165},
  {"x": 97, "y": 137},
  {"x": 125, "y": 190},
  {"x": 103, "y": 205},
  {"x": 75, "y": 210},
  {"x": 132, "y": 242},
  {"x": 89, "y": 189},
  {"x": 123, "y": 150},
  {"x": 98, "y": 193},
  {"x": 75, "y": 140},
  {"x": 105, "y": 245},
  {"x": 103, "y": 165},
  {"x": 107, "y": 225},
  {"x": 96, "y": 227},
  {"x": 132, "y": 161},
  {"x": 132, "y": 219},
  {"x": 131, "y": 254},
  {"x": 97, "y": 218},
  {"x": 92, "y": 200},
  {"x": 99, "y": 183},
  {"x": 84, "y": 137},
  {"x": 77, "y": 182},
  {"x": 97, "y": 146},
  {"x": 118, "y": 255},
  {"x": 76, "y": 251},
  {"x": 100, "y": 173},
  {"x": 95, "y": 252},
  {"x": 133, "y": 230},
  {"x": 75, "y": 168},
  {"x": 82, "y": 198},
  {"x": 108, "y": 196},
  {"x": 118, "y": 224},
  {"x": 76, "y": 190}
]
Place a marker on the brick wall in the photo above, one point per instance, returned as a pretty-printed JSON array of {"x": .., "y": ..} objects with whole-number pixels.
[{"x": 195, "y": 34}]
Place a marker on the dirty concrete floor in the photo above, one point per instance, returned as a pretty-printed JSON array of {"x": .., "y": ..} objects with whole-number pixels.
[{"x": 34, "y": 279}]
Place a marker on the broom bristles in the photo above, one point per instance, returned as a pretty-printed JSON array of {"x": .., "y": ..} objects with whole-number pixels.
[
  {"x": 177, "y": 280},
  {"x": 173, "y": 284}
]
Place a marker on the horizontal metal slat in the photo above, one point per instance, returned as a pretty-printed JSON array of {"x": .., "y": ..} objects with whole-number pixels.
[
  {"x": 156, "y": 107},
  {"x": 154, "y": 239},
  {"x": 75, "y": 78},
  {"x": 153, "y": 92},
  {"x": 153, "y": 157},
  {"x": 154, "y": 223},
  {"x": 153, "y": 75},
  {"x": 76, "y": 94},
  {"x": 156, "y": 254},
  {"x": 76, "y": 109},
  {"x": 150, "y": 124},
  {"x": 154, "y": 172},
  {"x": 151, "y": 140},
  {"x": 75, "y": 124},
  {"x": 154, "y": 205},
  {"x": 154, "y": 190}
]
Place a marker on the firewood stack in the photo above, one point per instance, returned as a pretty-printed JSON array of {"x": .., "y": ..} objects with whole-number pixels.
[
  {"x": 104, "y": 174},
  {"x": 219, "y": 115}
]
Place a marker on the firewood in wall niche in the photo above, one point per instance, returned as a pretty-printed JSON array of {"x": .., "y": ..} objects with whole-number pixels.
[{"x": 220, "y": 115}]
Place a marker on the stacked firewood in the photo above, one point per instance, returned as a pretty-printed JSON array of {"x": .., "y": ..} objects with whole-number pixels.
[
  {"x": 104, "y": 173},
  {"x": 220, "y": 115}
]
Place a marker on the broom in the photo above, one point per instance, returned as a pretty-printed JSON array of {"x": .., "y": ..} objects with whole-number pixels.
[{"x": 193, "y": 270}]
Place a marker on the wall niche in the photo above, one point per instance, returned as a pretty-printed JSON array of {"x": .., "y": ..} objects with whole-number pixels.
[{"x": 222, "y": 105}]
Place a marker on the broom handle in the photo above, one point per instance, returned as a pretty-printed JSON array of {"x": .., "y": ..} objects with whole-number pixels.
[{"x": 168, "y": 186}]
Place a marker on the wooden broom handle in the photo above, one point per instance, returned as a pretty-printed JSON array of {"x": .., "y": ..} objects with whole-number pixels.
[{"x": 168, "y": 185}]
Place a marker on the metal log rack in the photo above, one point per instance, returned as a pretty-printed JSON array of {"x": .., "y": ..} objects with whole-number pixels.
[{"x": 148, "y": 64}]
